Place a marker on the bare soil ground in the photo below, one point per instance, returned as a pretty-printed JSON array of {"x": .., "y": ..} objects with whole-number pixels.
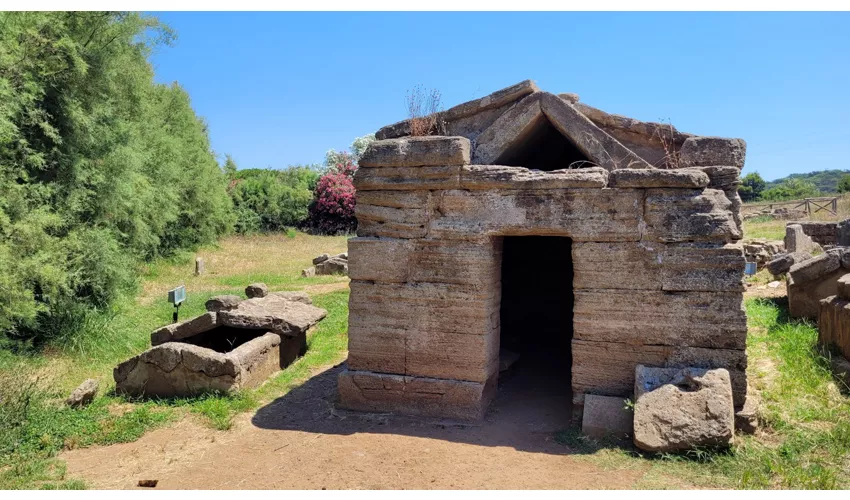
[{"x": 302, "y": 441}]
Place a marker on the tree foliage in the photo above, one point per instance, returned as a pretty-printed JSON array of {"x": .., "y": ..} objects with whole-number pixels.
[
  {"x": 272, "y": 200},
  {"x": 752, "y": 186},
  {"x": 100, "y": 167},
  {"x": 844, "y": 184},
  {"x": 791, "y": 189}
]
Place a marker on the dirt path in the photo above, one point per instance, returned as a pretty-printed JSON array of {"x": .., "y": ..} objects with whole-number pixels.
[{"x": 302, "y": 441}]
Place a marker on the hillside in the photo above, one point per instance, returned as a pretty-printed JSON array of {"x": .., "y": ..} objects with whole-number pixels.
[{"x": 825, "y": 180}]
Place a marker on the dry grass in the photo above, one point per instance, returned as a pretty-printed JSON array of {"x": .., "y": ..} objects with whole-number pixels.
[
  {"x": 423, "y": 111},
  {"x": 774, "y": 229}
]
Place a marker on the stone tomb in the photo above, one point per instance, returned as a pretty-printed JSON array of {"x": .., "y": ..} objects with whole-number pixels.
[
  {"x": 549, "y": 227},
  {"x": 237, "y": 344}
]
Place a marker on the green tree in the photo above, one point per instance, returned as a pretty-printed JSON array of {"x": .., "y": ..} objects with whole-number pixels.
[
  {"x": 791, "y": 189},
  {"x": 752, "y": 186},
  {"x": 844, "y": 184},
  {"x": 100, "y": 167},
  {"x": 229, "y": 167}
]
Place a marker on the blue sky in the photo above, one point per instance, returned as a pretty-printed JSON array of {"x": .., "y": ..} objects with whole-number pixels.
[{"x": 280, "y": 89}]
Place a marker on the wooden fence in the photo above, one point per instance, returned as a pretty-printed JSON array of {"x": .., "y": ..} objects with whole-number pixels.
[{"x": 810, "y": 205}]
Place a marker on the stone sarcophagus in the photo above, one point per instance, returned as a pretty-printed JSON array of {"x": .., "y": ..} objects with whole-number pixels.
[{"x": 550, "y": 227}]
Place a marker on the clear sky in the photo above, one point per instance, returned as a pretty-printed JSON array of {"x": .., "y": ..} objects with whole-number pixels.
[{"x": 280, "y": 89}]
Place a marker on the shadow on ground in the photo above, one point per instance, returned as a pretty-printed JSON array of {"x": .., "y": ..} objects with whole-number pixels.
[{"x": 531, "y": 413}]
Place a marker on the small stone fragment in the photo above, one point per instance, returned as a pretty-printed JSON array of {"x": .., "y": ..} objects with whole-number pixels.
[
  {"x": 606, "y": 415},
  {"x": 83, "y": 395},
  {"x": 321, "y": 258},
  {"x": 148, "y": 483},
  {"x": 222, "y": 302},
  {"x": 199, "y": 266},
  {"x": 308, "y": 273},
  {"x": 255, "y": 290}
]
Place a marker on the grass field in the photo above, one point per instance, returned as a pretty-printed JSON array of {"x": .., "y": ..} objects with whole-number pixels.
[
  {"x": 774, "y": 229},
  {"x": 35, "y": 425}
]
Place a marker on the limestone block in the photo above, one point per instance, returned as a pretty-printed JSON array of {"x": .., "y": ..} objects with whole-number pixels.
[
  {"x": 407, "y": 178},
  {"x": 457, "y": 113},
  {"x": 804, "y": 298},
  {"x": 507, "y": 131},
  {"x": 844, "y": 287},
  {"x": 842, "y": 233},
  {"x": 294, "y": 296},
  {"x": 273, "y": 313},
  {"x": 689, "y": 215},
  {"x": 834, "y": 324},
  {"x": 702, "y": 267},
  {"x": 500, "y": 177},
  {"x": 222, "y": 302},
  {"x": 707, "y": 151},
  {"x": 796, "y": 240},
  {"x": 321, "y": 258},
  {"x": 582, "y": 214},
  {"x": 599, "y": 147},
  {"x": 207, "y": 361},
  {"x": 692, "y": 319},
  {"x": 452, "y": 356},
  {"x": 184, "y": 329},
  {"x": 379, "y": 259},
  {"x": 166, "y": 356},
  {"x": 783, "y": 263},
  {"x": 822, "y": 233},
  {"x": 657, "y": 178},
  {"x": 606, "y": 415},
  {"x": 375, "y": 392},
  {"x": 681, "y": 409},
  {"x": 814, "y": 268},
  {"x": 413, "y": 218},
  {"x": 608, "y": 368},
  {"x": 394, "y": 199},
  {"x": 722, "y": 177},
  {"x": 747, "y": 417},
  {"x": 427, "y": 151}
]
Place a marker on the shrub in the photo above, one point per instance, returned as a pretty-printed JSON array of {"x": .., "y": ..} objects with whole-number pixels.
[
  {"x": 332, "y": 211},
  {"x": 272, "y": 200},
  {"x": 844, "y": 184},
  {"x": 792, "y": 189},
  {"x": 752, "y": 186}
]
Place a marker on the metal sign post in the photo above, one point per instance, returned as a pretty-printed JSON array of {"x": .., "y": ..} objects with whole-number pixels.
[{"x": 177, "y": 296}]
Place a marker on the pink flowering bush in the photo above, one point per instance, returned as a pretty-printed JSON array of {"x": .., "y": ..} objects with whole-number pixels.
[{"x": 332, "y": 210}]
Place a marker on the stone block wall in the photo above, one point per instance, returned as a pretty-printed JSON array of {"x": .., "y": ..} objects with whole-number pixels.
[{"x": 657, "y": 265}]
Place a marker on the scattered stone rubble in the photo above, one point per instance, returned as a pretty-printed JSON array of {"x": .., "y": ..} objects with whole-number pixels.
[
  {"x": 761, "y": 250},
  {"x": 653, "y": 249},
  {"x": 326, "y": 265},
  {"x": 83, "y": 395},
  {"x": 236, "y": 344}
]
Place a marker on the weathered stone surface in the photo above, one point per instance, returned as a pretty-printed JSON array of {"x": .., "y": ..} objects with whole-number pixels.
[
  {"x": 747, "y": 417},
  {"x": 842, "y": 233},
  {"x": 582, "y": 214},
  {"x": 649, "y": 140},
  {"x": 412, "y": 328},
  {"x": 334, "y": 265},
  {"x": 608, "y": 368},
  {"x": 500, "y": 177},
  {"x": 407, "y": 178},
  {"x": 689, "y": 215},
  {"x": 658, "y": 266},
  {"x": 804, "y": 298},
  {"x": 320, "y": 258},
  {"x": 166, "y": 356},
  {"x": 308, "y": 273},
  {"x": 508, "y": 130},
  {"x": 83, "y": 394},
  {"x": 495, "y": 100},
  {"x": 294, "y": 296},
  {"x": 207, "y": 361},
  {"x": 376, "y": 392},
  {"x": 834, "y": 324},
  {"x": 715, "y": 320},
  {"x": 814, "y": 268},
  {"x": 273, "y": 313},
  {"x": 844, "y": 287},
  {"x": 782, "y": 264},
  {"x": 708, "y": 151},
  {"x": 417, "y": 152},
  {"x": 256, "y": 290},
  {"x": 184, "y": 329},
  {"x": 199, "y": 266},
  {"x": 222, "y": 302},
  {"x": 394, "y": 199},
  {"x": 822, "y": 233},
  {"x": 453, "y": 262},
  {"x": 680, "y": 409},
  {"x": 841, "y": 371},
  {"x": 796, "y": 240},
  {"x": 606, "y": 415},
  {"x": 657, "y": 178},
  {"x": 570, "y": 97},
  {"x": 722, "y": 177}
]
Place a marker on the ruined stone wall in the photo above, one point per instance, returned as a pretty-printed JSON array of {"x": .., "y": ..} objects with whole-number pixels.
[{"x": 657, "y": 273}]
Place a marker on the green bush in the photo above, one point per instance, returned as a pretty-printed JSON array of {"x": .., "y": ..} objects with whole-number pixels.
[
  {"x": 100, "y": 167},
  {"x": 792, "y": 189},
  {"x": 272, "y": 200}
]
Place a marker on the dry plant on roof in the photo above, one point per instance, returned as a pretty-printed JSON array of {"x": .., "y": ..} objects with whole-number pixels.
[
  {"x": 666, "y": 134},
  {"x": 423, "y": 111}
]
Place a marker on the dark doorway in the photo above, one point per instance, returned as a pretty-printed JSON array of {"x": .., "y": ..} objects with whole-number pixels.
[
  {"x": 537, "y": 325},
  {"x": 542, "y": 147}
]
